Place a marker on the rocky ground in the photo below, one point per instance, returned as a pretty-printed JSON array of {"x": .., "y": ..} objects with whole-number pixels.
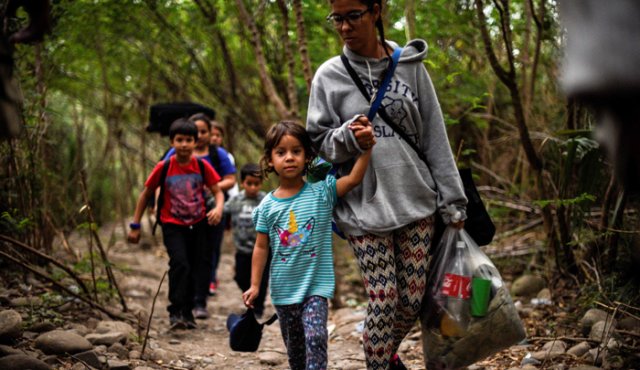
[{"x": 41, "y": 330}]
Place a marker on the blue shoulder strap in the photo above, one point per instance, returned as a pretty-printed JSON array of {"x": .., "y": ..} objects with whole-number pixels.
[{"x": 383, "y": 87}]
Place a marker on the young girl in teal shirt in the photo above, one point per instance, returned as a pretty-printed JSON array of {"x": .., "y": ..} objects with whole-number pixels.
[{"x": 294, "y": 225}]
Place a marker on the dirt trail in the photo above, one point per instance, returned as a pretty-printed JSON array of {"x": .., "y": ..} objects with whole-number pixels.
[{"x": 208, "y": 344}]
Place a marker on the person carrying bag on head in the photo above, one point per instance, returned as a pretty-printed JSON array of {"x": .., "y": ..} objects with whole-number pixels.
[{"x": 389, "y": 218}]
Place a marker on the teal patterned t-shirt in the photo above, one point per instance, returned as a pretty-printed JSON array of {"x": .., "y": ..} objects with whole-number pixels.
[{"x": 299, "y": 230}]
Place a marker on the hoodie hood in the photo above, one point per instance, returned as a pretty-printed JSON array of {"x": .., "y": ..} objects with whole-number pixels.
[{"x": 414, "y": 51}]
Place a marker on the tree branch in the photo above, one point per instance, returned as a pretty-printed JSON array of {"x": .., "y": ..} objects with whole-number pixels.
[{"x": 48, "y": 259}]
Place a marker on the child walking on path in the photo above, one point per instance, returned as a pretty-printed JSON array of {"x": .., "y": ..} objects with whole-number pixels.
[
  {"x": 294, "y": 227},
  {"x": 219, "y": 159},
  {"x": 240, "y": 207},
  {"x": 183, "y": 218}
]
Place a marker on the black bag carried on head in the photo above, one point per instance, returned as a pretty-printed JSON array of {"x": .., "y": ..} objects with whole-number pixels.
[
  {"x": 245, "y": 332},
  {"x": 162, "y": 115},
  {"x": 478, "y": 223}
]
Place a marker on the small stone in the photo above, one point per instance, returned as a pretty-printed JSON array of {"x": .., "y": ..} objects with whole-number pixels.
[
  {"x": 21, "y": 362},
  {"x": 42, "y": 327},
  {"x": 527, "y": 285},
  {"x": 629, "y": 323},
  {"x": 79, "y": 329},
  {"x": 119, "y": 350},
  {"x": 174, "y": 341},
  {"x": 134, "y": 355},
  {"x": 26, "y": 301},
  {"x": 579, "y": 349},
  {"x": 271, "y": 358},
  {"x": 59, "y": 342},
  {"x": 555, "y": 346},
  {"x": 528, "y": 367},
  {"x": 78, "y": 366},
  {"x": 118, "y": 365},
  {"x": 89, "y": 357},
  {"x": 50, "y": 359},
  {"x": 114, "y": 326},
  {"x": 163, "y": 355},
  {"x": 591, "y": 317},
  {"x": 106, "y": 338},
  {"x": 6, "y": 350},
  {"x": 10, "y": 325},
  {"x": 544, "y": 294},
  {"x": 30, "y": 335},
  {"x": 601, "y": 330}
]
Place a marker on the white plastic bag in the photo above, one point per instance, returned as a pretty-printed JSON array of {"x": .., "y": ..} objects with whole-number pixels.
[{"x": 452, "y": 337}]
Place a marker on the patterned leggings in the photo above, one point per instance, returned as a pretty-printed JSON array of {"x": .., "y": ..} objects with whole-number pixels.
[
  {"x": 304, "y": 330},
  {"x": 394, "y": 269}
]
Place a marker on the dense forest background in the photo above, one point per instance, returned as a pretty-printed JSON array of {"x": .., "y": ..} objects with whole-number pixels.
[{"x": 495, "y": 65}]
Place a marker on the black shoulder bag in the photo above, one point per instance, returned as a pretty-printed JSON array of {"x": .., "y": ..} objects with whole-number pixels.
[{"x": 478, "y": 223}]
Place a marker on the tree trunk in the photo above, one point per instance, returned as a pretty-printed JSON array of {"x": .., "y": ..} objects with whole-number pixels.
[
  {"x": 410, "y": 17},
  {"x": 302, "y": 45},
  {"x": 267, "y": 83},
  {"x": 291, "y": 62}
]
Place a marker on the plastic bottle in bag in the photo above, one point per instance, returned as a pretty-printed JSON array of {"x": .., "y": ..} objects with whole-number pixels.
[{"x": 456, "y": 289}]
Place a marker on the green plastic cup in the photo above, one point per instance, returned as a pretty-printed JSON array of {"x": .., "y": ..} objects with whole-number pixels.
[{"x": 480, "y": 292}]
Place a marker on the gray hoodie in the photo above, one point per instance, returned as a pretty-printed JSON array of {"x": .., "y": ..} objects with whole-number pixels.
[{"x": 398, "y": 187}]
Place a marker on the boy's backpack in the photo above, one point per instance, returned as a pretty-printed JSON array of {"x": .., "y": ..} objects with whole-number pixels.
[{"x": 163, "y": 177}]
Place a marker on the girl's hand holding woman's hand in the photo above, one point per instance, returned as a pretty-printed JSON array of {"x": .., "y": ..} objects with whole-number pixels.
[
  {"x": 363, "y": 131},
  {"x": 458, "y": 225}
]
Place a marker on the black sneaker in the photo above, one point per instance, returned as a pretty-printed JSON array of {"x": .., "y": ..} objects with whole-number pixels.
[
  {"x": 396, "y": 364},
  {"x": 176, "y": 322},
  {"x": 200, "y": 313},
  {"x": 189, "y": 321}
]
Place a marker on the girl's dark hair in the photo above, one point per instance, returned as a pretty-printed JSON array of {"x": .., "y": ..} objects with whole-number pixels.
[
  {"x": 275, "y": 134},
  {"x": 183, "y": 126},
  {"x": 201, "y": 117}
]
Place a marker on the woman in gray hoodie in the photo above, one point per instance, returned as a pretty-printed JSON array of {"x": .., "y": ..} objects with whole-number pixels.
[{"x": 389, "y": 218}]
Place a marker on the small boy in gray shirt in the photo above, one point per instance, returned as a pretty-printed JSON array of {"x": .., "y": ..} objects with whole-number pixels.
[{"x": 240, "y": 207}]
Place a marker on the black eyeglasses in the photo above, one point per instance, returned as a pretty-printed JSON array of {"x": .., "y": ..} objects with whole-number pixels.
[{"x": 353, "y": 18}]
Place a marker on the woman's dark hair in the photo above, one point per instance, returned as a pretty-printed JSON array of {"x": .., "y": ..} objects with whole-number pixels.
[
  {"x": 379, "y": 25},
  {"x": 201, "y": 117},
  {"x": 183, "y": 126},
  {"x": 275, "y": 134}
]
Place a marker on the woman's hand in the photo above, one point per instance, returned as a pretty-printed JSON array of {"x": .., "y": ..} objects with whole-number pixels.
[
  {"x": 458, "y": 225},
  {"x": 363, "y": 131}
]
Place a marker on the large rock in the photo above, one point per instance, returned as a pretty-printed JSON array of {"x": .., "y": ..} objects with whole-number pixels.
[
  {"x": 550, "y": 350},
  {"x": 527, "y": 285},
  {"x": 21, "y": 362},
  {"x": 10, "y": 325},
  {"x": 579, "y": 349},
  {"x": 6, "y": 351},
  {"x": 591, "y": 317},
  {"x": 602, "y": 330},
  {"x": 59, "y": 342},
  {"x": 106, "y": 339},
  {"x": 114, "y": 327}
]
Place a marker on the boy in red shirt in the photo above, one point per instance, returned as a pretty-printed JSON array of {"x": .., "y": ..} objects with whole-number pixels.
[{"x": 183, "y": 218}]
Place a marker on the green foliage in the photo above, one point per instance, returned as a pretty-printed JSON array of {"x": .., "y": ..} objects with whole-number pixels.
[
  {"x": 579, "y": 200},
  {"x": 12, "y": 222}
]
